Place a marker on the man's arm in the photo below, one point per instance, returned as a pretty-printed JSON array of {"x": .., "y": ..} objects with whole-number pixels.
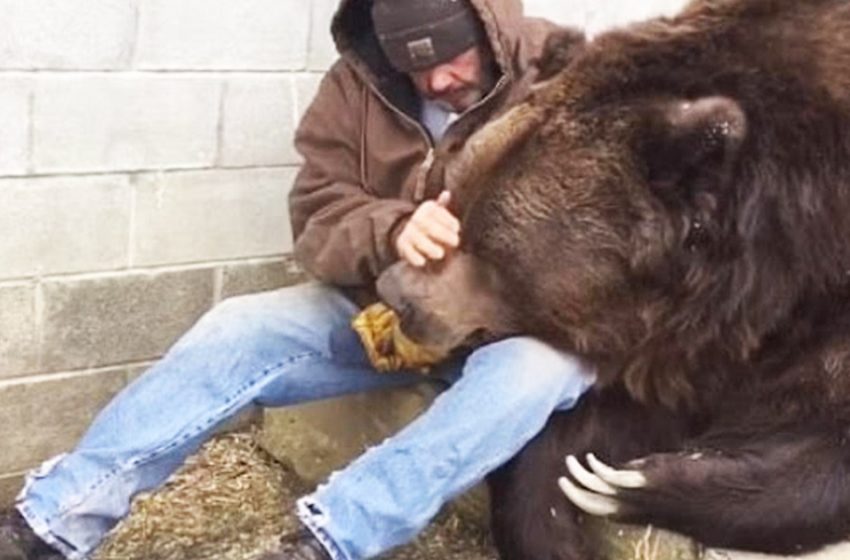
[{"x": 344, "y": 235}]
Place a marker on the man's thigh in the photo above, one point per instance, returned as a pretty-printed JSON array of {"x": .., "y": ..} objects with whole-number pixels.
[{"x": 305, "y": 334}]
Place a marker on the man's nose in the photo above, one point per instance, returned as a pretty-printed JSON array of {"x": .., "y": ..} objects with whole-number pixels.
[{"x": 440, "y": 80}]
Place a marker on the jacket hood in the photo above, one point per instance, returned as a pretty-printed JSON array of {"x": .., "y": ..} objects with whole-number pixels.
[{"x": 356, "y": 42}]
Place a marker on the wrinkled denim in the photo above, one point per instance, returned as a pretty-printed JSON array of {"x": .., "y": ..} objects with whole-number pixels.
[{"x": 292, "y": 346}]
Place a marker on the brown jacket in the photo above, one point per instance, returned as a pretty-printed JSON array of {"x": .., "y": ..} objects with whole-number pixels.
[{"x": 363, "y": 146}]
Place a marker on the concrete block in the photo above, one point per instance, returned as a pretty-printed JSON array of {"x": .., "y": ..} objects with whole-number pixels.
[
  {"x": 124, "y": 122},
  {"x": 18, "y": 336},
  {"x": 47, "y": 417},
  {"x": 210, "y": 215},
  {"x": 63, "y": 224},
  {"x": 57, "y": 34},
  {"x": 15, "y": 92},
  {"x": 322, "y": 49},
  {"x": 258, "y": 121},
  {"x": 566, "y": 12},
  {"x": 10, "y": 486},
  {"x": 249, "y": 278},
  {"x": 134, "y": 371},
  {"x": 222, "y": 34},
  {"x": 120, "y": 318},
  {"x": 318, "y": 438},
  {"x": 596, "y": 17}
]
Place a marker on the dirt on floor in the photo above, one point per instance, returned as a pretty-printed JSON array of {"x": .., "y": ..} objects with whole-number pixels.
[{"x": 233, "y": 501}]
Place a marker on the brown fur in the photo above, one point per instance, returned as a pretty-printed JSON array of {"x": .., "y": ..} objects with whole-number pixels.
[{"x": 679, "y": 219}]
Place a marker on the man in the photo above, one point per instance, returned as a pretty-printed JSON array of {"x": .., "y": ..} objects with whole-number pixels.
[{"x": 411, "y": 73}]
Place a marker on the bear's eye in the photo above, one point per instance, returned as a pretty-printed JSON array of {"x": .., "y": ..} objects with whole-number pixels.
[{"x": 697, "y": 235}]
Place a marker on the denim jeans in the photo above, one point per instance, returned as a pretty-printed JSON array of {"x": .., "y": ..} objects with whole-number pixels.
[{"x": 292, "y": 346}]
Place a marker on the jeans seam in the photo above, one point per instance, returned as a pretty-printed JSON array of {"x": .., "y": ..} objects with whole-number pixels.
[
  {"x": 302, "y": 509},
  {"x": 42, "y": 530},
  {"x": 193, "y": 429}
]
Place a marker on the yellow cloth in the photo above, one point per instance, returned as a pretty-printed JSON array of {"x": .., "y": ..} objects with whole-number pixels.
[{"x": 388, "y": 348}]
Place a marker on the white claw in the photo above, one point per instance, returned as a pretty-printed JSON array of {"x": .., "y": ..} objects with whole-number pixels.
[
  {"x": 588, "y": 479},
  {"x": 591, "y": 503},
  {"x": 614, "y": 477}
]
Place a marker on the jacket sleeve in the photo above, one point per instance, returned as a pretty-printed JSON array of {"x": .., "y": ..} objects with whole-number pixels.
[{"x": 344, "y": 235}]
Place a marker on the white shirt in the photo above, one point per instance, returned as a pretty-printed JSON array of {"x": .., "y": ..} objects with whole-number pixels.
[{"x": 436, "y": 118}]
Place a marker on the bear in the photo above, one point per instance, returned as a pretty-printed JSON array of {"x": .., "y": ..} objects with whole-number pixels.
[{"x": 670, "y": 206}]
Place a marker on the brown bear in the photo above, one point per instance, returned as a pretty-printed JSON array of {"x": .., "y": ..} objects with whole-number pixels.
[{"x": 673, "y": 206}]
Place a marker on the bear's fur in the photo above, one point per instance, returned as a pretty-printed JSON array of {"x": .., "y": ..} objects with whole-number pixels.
[{"x": 679, "y": 216}]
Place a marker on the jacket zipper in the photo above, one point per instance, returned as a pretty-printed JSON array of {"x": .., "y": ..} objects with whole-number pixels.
[
  {"x": 500, "y": 84},
  {"x": 402, "y": 114},
  {"x": 429, "y": 156}
]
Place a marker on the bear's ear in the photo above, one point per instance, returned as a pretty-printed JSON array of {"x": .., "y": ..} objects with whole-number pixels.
[
  {"x": 559, "y": 49},
  {"x": 689, "y": 142}
]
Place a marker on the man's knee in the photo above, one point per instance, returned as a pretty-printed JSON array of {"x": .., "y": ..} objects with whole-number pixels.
[
  {"x": 531, "y": 368},
  {"x": 246, "y": 317},
  {"x": 298, "y": 300},
  {"x": 304, "y": 315},
  {"x": 236, "y": 314}
]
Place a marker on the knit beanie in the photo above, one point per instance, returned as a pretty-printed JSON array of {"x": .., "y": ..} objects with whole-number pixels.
[{"x": 419, "y": 34}]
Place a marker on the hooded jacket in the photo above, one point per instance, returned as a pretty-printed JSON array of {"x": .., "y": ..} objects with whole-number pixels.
[{"x": 363, "y": 146}]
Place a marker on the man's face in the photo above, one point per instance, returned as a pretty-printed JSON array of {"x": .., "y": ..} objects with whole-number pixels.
[{"x": 458, "y": 83}]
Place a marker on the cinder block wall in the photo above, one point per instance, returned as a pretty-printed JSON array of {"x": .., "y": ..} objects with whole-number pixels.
[
  {"x": 145, "y": 161},
  {"x": 595, "y": 16}
]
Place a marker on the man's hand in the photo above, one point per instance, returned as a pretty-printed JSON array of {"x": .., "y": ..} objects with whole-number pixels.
[{"x": 429, "y": 233}]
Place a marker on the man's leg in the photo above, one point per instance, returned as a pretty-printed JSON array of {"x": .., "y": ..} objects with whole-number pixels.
[
  {"x": 277, "y": 348},
  {"x": 503, "y": 398}
]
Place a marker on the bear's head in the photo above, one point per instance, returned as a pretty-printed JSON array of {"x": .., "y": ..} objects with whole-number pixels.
[{"x": 662, "y": 207}]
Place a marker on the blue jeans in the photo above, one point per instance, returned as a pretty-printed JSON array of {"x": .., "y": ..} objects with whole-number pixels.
[{"x": 292, "y": 346}]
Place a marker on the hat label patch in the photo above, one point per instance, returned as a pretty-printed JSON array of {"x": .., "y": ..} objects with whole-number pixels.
[{"x": 421, "y": 49}]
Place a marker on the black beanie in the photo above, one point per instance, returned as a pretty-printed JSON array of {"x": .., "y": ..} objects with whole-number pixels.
[{"x": 419, "y": 34}]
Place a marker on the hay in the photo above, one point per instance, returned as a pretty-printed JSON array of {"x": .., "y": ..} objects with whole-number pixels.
[
  {"x": 233, "y": 501},
  {"x": 646, "y": 548},
  {"x": 225, "y": 503}
]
